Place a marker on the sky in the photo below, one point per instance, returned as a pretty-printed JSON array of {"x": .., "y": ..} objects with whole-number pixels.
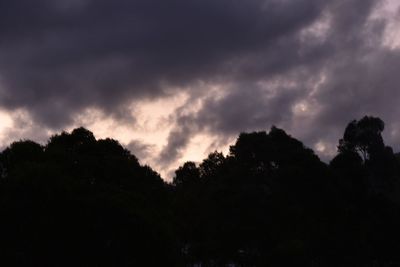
[{"x": 174, "y": 80}]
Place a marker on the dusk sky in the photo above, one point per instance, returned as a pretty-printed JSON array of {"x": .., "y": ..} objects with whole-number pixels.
[{"x": 174, "y": 80}]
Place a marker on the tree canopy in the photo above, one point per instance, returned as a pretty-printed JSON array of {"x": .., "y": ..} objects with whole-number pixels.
[{"x": 79, "y": 201}]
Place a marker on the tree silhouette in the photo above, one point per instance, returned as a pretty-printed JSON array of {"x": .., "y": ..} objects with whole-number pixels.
[
  {"x": 79, "y": 201},
  {"x": 187, "y": 175},
  {"x": 364, "y": 137},
  {"x": 367, "y": 176}
]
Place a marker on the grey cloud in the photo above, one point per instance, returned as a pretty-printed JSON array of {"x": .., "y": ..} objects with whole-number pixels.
[
  {"x": 23, "y": 129},
  {"x": 363, "y": 86},
  {"x": 58, "y": 58},
  {"x": 359, "y": 77},
  {"x": 141, "y": 150},
  {"x": 247, "y": 107},
  {"x": 178, "y": 139}
]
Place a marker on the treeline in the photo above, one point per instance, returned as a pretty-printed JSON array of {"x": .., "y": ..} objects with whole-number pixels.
[{"x": 78, "y": 201}]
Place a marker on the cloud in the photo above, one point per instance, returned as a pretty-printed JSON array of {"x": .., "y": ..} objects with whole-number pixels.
[
  {"x": 60, "y": 57},
  {"x": 312, "y": 82},
  {"x": 141, "y": 150},
  {"x": 309, "y": 66}
]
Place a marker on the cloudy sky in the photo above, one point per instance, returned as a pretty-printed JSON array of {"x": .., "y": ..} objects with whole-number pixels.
[{"x": 173, "y": 80}]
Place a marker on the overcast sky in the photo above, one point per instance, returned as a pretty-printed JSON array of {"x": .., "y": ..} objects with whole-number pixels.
[{"x": 173, "y": 80}]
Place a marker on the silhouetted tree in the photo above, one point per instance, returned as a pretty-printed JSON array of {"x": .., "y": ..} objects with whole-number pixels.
[
  {"x": 367, "y": 175},
  {"x": 187, "y": 175},
  {"x": 79, "y": 201},
  {"x": 364, "y": 137}
]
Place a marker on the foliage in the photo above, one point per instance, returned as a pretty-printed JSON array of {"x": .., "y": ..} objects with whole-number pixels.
[{"x": 78, "y": 201}]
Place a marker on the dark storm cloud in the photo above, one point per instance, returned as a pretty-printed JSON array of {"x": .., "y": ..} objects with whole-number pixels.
[
  {"x": 57, "y": 57},
  {"x": 358, "y": 77},
  {"x": 247, "y": 107},
  {"x": 349, "y": 59}
]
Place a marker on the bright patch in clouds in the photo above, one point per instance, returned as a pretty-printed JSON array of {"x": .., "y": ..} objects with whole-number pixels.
[
  {"x": 390, "y": 10},
  {"x": 317, "y": 32},
  {"x": 5, "y": 123},
  {"x": 300, "y": 108}
]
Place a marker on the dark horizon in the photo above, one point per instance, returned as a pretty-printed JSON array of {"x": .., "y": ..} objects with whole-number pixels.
[{"x": 82, "y": 201}]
